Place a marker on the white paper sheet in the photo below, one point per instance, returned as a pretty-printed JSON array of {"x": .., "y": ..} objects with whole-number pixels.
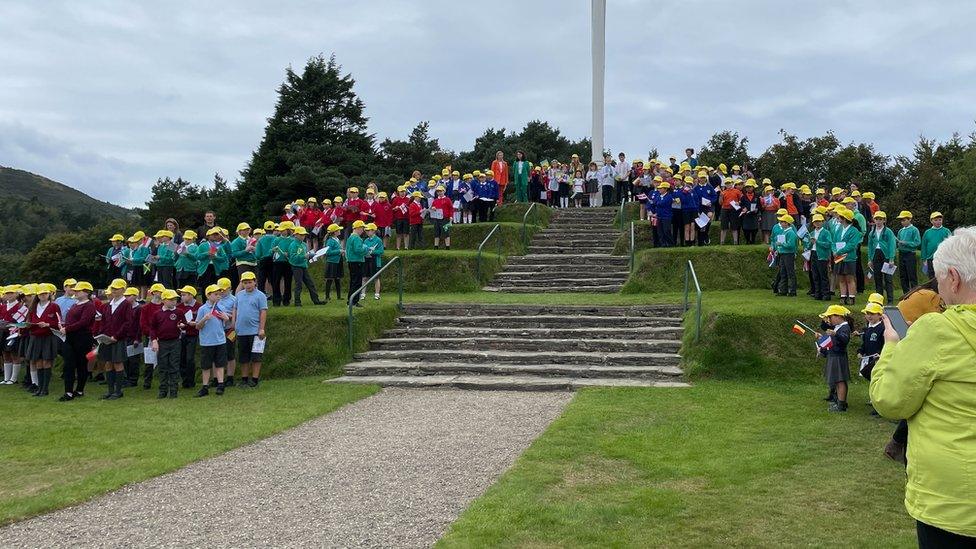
[
  {"x": 838, "y": 246},
  {"x": 188, "y": 316},
  {"x": 258, "y": 345},
  {"x": 133, "y": 350},
  {"x": 706, "y": 202},
  {"x": 148, "y": 355},
  {"x": 802, "y": 232},
  {"x": 436, "y": 213},
  {"x": 318, "y": 254},
  {"x": 807, "y": 254},
  {"x": 889, "y": 268},
  {"x": 781, "y": 239},
  {"x": 702, "y": 220},
  {"x": 735, "y": 205},
  {"x": 104, "y": 339}
]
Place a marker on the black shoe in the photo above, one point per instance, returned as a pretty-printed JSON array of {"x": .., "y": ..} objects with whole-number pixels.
[
  {"x": 106, "y": 396},
  {"x": 297, "y": 304},
  {"x": 32, "y": 388},
  {"x": 253, "y": 382},
  {"x": 202, "y": 392},
  {"x": 220, "y": 388},
  {"x": 172, "y": 394},
  {"x": 161, "y": 395},
  {"x": 114, "y": 396},
  {"x": 79, "y": 394},
  {"x": 38, "y": 393},
  {"x": 145, "y": 386},
  {"x": 229, "y": 381},
  {"x": 66, "y": 397}
]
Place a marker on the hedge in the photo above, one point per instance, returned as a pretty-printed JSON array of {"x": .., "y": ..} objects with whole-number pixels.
[
  {"x": 469, "y": 236},
  {"x": 512, "y": 212}
]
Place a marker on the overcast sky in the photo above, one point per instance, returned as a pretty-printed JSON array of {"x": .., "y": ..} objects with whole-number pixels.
[{"x": 107, "y": 96}]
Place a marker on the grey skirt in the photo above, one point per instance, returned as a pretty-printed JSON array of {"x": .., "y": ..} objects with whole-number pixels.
[
  {"x": 837, "y": 369},
  {"x": 42, "y": 348},
  {"x": 114, "y": 353},
  {"x": 768, "y": 220}
]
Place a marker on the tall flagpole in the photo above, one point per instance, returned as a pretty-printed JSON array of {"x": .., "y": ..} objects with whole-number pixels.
[{"x": 598, "y": 49}]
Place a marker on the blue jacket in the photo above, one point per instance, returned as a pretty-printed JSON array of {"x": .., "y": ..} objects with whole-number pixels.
[
  {"x": 662, "y": 206},
  {"x": 689, "y": 200},
  {"x": 706, "y": 192},
  {"x": 488, "y": 189}
]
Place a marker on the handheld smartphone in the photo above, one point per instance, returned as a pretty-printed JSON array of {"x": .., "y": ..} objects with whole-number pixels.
[{"x": 897, "y": 320}]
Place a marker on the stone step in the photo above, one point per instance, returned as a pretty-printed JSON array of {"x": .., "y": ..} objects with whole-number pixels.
[
  {"x": 597, "y": 269},
  {"x": 522, "y": 289},
  {"x": 641, "y": 345},
  {"x": 541, "y": 321},
  {"x": 526, "y": 357},
  {"x": 608, "y": 331},
  {"x": 584, "y": 226},
  {"x": 568, "y": 259},
  {"x": 570, "y": 250},
  {"x": 458, "y": 310},
  {"x": 552, "y": 280},
  {"x": 502, "y": 383},
  {"x": 568, "y": 241},
  {"x": 397, "y": 367},
  {"x": 606, "y": 234}
]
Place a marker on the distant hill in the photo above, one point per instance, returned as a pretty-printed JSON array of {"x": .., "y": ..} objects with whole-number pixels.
[{"x": 24, "y": 185}]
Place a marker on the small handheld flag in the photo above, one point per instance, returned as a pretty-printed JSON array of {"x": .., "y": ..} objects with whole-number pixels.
[
  {"x": 798, "y": 330},
  {"x": 840, "y": 258},
  {"x": 771, "y": 258},
  {"x": 825, "y": 343}
]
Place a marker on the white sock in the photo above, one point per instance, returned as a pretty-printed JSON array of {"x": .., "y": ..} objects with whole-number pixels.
[
  {"x": 16, "y": 371},
  {"x": 8, "y": 368},
  {"x": 33, "y": 374}
]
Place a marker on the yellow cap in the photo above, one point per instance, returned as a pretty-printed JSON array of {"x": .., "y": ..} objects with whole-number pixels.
[
  {"x": 223, "y": 283},
  {"x": 873, "y": 308},
  {"x": 402, "y": 189},
  {"x": 334, "y": 228},
  {"x": 855, "y": 193},
  {"x": 370, "y": 226},
  {"x": 29, "y": 289},
  {"x": 804, "y": 189},
  {"x": 868, "y": 194},
  {"x": 381, "y": 194},
  {"x": 736, "y": 167},
  {"x": 269, "y": 225},
  {"x": 785, "y": 218},
  {"x": 768, "y": 188},
  {"x": 131, "y": 291},
  {"x": 258, "y": 232},
  {"x": 821, "y": 209},
  {"x": 880, "y": 215},
  {"x": 286, "y": 226},
  {"x": 163, "y": 233},
  {"x": 117, "y": 238},
  {"x": 139, "y": 234},
  {"x": 821, "y": 191},
  {"x": 440, "y": 189},
  {"x": 370, "y": 191},
  {"x": 722, "y": 168},
  {"x": 445, "y": 171},
  {"x": 248, "y": 275},
  {"x": 415, "y": 194},
  {"x": 189, "y": 290},
  {"x": 69, "y": 283},
  {"x": 455, "y": 172},
  {"x": 358, "y": 224},
  {"x": 134, "y": 239},
  {"x": 301, "y": 230},
  {"x": 836, "y": 190},
  {"x": 212, "y": 289},
  {"x": 750, "y": 183},
  {"x": 337, "y": 200},
  {"x": 689, "y": 179},
  {"x": 935, "y": 214},
  {"x": 664, "y": 185},
  {"x": 312, "y": 200},
  {"x": 213, "y": 231},
  {"x": 300, "y": 202},
  {"x": 658, "y": 178},
  {"x": 189, "y": 234},
  {"x": 845, "y": 213},
  {"x": 287, "y": 207},
  {"x": 353, "y": 189},
  {"x": 905, "y": 214},
  {"x": 435, "y": 178},
  {"x": 157, "y": 287},
  {"x": 82, "y": 285},
  {"x": 170, "y": 294},
  {"x": 327, "y": 200},
  {"x": 781, "y": 211},
  {"x": 836, "y": 310},
  {"x": 489, "y": 173},
  {"x": 117, "y": 284},
  {"x": 242, "y": 227},
  {"x": 876, "y": 298},
  {"x": 817, "y": 217},
  {"x": 848, "y": 200},
  {"x": 467, "y": 176}
]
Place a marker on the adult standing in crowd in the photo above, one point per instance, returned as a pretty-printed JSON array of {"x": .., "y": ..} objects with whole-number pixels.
[
  {"x": 928, "y": 379},
  {"x": 499, "y": 168},
  {"x": 621, "y": 179},
  {"x": 606, "y": 179},
  {"x": 209, "y": 222},
  {"x": 520, "y": 174}
]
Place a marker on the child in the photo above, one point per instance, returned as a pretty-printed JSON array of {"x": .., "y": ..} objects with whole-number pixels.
[
  {"x": 250, "y": 314},
  {"x": 769, "y": 204},
  {"x": 881, "y": 251},
  {"x": 146, "y": 315},
  {"x": 749, "y": 212},
  {"x": 374, "y": 255},
  {"x": 134, "y": 270},
  {"x": 383, "y": 216},
  {"x": 165, "y": 258},
  {"x": 355, "y": 256},
  {"x": 186, "y": 260},
  {"x": 401, "y": 223},
  {"x": 115, "y": 318},
  {"x": 846, "y": 240},
  {"x": 909, "y": 241},
  {"x": 28, "y": 294},
  {"x": 164, "y": 337},
  {"x": 113, "y": 257},
  {"x": 77, "y": 326},
  {"x": 262, "y": 253},
  {"x": 872, "y": 341},
  {"x": 187, "y": 309},
  {"x": 333, "y": 261},
  {"x": 821, "y": 245},
  {"x": 707, "y": 197},
  {"x": 662, "y": 214},
  {"x": 578, "y": 186},
  {"x": 133, "y": 336},
  {"x": 43, "y": 347},
  {"x": 11, "y": 361},
  {"x": 213, "y": 341},
  {"x": 298, "y": 258},
  {"x": 730, "y": 215},
  {"x": 837, "y": 371},
  {"x": 226, "y": 304},
  {"x": 243, "y": 247},
  {"x": 462, "y": 206},
  {"x": 281, "y": 269},
  {"x": 441, "y": 211},
  {"x": 415, "y": 215},
  {"x": 785, "y": 247},
  {"x": 931, "y": 239},
  {"x": 212, "y": 259}
]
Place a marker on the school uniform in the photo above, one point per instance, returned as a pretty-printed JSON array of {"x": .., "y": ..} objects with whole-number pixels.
[
  {"x": 166, "y": 265},
  {"x": 265, "y": 264},
  {"x": 707, "y": 199},
  {"x": 415, "y": 215},
  {"x": 769, "y": 205},
  {"x": 281, "y": 271},
  {"x": 750, "y": 216},
  {"x": 689, "y": 210},
  {"x": 78, "y": 325},
  {"x": 333, "y": 266},
  {"x": 785, "y": 247},
  {"x": 186, "y": 265},
  {"x": 247, "y": 260},
  {"x": 383, "y": 217},
  {"x": 861, "y": 223},
  {"x": 147, "y": 312},
  {"x": 133, "y": 336},
  {"x": 851, "y": 238},
  {"x": 823, "y": 245},
  {"x": 663, "y": 213},
  {"x": 730, "y": 219},
  {"x": 401, "y": 223},
  {"x": 212, "y": 262},
  {"x": 838, "y": 368},
  {"x": 43, "y": 345},
  {"x": 872, "y": 342},
  {"x": 298, "y": 259},
  {"x": 226, "y": 306},
  {"x": 909, "y": 241},
  {"x": 188, "y": 343},
  {"x": 486, "y": 194},
  {"x": 116, "y": 316},
  {"x": 247, "y": 323},
  {"x": 442, "y": 226},
  {"x": 213, "y": 340},
  {"x": 164, "y": 328},
  {"x": 931, "y": 239},
  {"x": 374, "y": 255},
  {"x": 881, "y": 250},
  {"x": 113, "y": 260},
  {"x": 355, "y": 257}
]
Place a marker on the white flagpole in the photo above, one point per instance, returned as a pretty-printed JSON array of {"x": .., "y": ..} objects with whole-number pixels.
[{"x": 598, "y": 48}]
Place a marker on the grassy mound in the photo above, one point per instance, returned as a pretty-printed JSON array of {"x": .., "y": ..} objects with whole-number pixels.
[
  {"x": 469, "y": 237},
  {"x": 512, "y": 212}
]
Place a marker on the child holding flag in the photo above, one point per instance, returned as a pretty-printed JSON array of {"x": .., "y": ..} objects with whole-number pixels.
[
  {"x": 872, "y": 340},
  {"x": 333, "y": 261},
  {"x": 187, "y": 310},
  {"x": 186, "y": 260},
  {"x": 442, "y": 212},
  {"x": 401, "y": 223},
  {"x": 833, "y": 344},
  {"x": 113, "y": 257},
  {"x": 213, "y": 341},
  {"x": 8, "y": 310},
  {"x": 821, "y": 244}
]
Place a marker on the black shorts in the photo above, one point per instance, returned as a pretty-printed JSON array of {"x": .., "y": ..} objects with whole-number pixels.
[
  {"x": 369, "y": 267},
  {"x": 213, "y": 356},
  {"x": 244, "y": 353},
  {"x": 402, "y": 226},
  {"x": 231, "y": 350},
  {"x": 442, "y": 228}
]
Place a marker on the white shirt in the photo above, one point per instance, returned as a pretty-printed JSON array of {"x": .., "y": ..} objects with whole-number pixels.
[
  {"x": 116, "y": 302},
  {"x": 622, "y": 170}
]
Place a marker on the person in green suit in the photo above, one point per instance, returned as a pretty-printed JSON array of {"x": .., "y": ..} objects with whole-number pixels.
[
  {"x": 931, "y": 238},
  {"x": 785, "y": 247},
  {"x": 881, "y": 250},
  {"x": 909, "y": 241},
  {"x": 846, "y": 241},
  {"x": 520, "y": 173}
]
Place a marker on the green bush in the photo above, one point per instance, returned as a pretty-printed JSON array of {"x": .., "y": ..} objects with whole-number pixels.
[
  {"x": 469, "y": 237},
  {"x": 512, "y": 212},
  {"x": 431, "y": 271}
]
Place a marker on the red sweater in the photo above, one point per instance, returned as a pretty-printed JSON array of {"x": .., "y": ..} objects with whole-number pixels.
[
  {"x": 399, "y": 201},
  {"x": 444, "y": 204},
  {"x": 383, "y": 214},
  {"x": 310, "y": 216},
  {"x": 51, "y": 315},
  {"x": 351, "y": 210},
  {"x": 116, "y": 325},
  {"x": 134, "y": 332},
  {"x": 366, "y": 214},
  {"x": 189, "y": 327},
  {"x": 165, "y": 325},
  {"x": 146, "y": 316},
  {"x": 81, "y": 317},
  {"x": 414, "y": 213}
]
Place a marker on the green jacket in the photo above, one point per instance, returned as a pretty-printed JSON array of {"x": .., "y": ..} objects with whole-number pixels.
[
  {"x": 263, "y": 250},
  {"x": 862, "y": 224},
  {"x": 910, "y": 239},
  {"x": 187, "y": 261},
  {"x": 851, "y": 238},
  {"x": 228, "y": 251},
  {"x": 355, "y": 250},
  {"x": 886, "y": 242},
  {"x": 283, "y": 244},
  {"x": 165, "y": 256},
  {"x": 824, "y": 243},
  {"x": 788, "y": 246},
  {"x": 928, "y": 378},
  {"x": 931, "y": 240},
  {"x": 112, "y": 250},
  {"x": 137, "y": 258},
  {"x": 219, "y": 260},
  {"x": 376, "y": 243},
  {"x": 333, "y": 250},
  {"x": 298, "y": 254},
  {"x": 239, "y": 252}
]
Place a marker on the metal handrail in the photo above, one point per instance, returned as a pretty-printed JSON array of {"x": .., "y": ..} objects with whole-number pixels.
[
  {"x": 632, "y": 249},
  {"x": 690, "y": 275},
  {"x": 399, "y": 264},
  {"x": 620, "y": 213},
  {"x": 525, "y": 217},
  {"x": 482, "y": 245}
]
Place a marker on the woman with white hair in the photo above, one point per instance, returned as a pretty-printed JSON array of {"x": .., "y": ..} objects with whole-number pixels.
[{"x": 929, "y": 378}]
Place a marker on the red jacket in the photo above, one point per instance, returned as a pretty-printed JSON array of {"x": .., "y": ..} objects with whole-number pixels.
[
  {"x": 414, "y": 213},
  {"x": 148, "y": 309},
  {"x": 134, "y": 332},
  {"x": 99, "y": 310},
  {"x": 366, "y": 214},
  {"x": 51, "y": 315},
  {"x": 446, "y": 205},
  {"x": 189, "y": 327},
  {"x": 383, "y": 214},
  {"x": 116, "y": 324},
  {"x": 351, "y": 210},
  {"x": 399, "y": 201},
  {"x": 310, "y": 216},
  {"x": 81, "y": 317},
  {"x": 165, "y": 325}
]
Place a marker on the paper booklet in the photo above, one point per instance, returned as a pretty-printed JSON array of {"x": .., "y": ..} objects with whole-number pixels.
[
  {"x": 104, "y": 339},
  {"x": 889, "y": 268},
  {"x": 702, "y": 220},
  {"x": 436, "y": 213},
  {"x": 315, "y": 257},
  {"x": 258, "y": 345},
  {"x": 148, "y": 355},
  {"x": 133, "y": 350}
]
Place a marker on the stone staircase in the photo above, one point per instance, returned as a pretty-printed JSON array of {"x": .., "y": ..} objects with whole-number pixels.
[
  {"x": 571, "y": 255},
  {"x": 525, "y": 347}
]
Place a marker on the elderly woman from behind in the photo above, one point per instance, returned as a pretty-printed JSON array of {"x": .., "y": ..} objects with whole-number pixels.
[{"x": 929, "y": 378}]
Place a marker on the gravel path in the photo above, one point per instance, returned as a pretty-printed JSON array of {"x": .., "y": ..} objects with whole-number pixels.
[{"x": 394, "y": 469}]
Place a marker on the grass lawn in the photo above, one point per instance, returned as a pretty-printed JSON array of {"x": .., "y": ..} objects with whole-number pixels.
[
  {"x": 720, "y": 464},
  {"x": 56, "y": 454}
]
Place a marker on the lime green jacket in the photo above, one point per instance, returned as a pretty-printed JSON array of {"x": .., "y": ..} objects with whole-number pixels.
[
  {"x": 298, "y": 254},
  {"x": 929, "y": 378}
]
